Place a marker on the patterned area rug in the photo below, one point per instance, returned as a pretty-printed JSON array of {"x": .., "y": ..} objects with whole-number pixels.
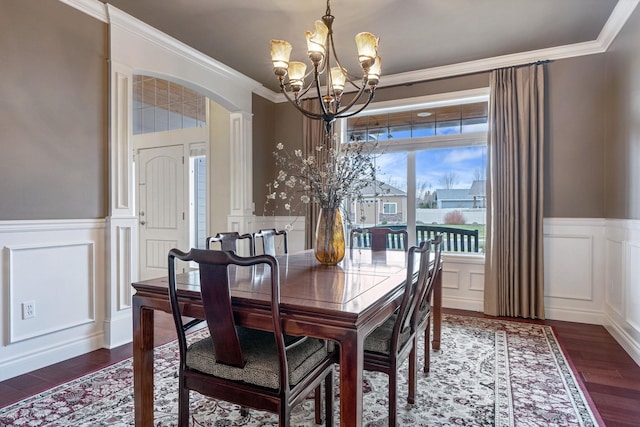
[{"x": 488, "y": 373}]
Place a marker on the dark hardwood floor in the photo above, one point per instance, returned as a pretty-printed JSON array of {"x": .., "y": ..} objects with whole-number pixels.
[{"x": 608, "y": 372}]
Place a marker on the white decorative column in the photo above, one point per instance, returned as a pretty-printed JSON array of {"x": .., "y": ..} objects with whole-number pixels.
[
  {"x": 241, "y": 217},
  {"x": 122, "y": 223},
  {"x": 136, "y": 46}
]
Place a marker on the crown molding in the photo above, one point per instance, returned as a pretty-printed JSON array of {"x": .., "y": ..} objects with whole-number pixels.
[
  {"x": 619, "y": 16},
  {"x": 151, "y": 34},
  {"x": 92, "y": 8},
  {"x": 617, "y": 19},
  {"x": 114, "y": 16},
  {"x": 487, "y": 64},
  {"x": 480, "y": 65},
  {"x": 269, "y": 95}
]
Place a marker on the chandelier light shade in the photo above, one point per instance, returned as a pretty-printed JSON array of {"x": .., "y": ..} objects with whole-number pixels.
[
  {"x": 280, "y": 52},
  {"x": 295, "y": 81}
]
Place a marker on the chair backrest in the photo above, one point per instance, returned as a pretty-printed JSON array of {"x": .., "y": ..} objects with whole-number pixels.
[
  {"x": 228, "y": 241},
  {"x": 379, "y": 239},
  {"x": 424, "y": 298},
  {"x": 215, "y": 268},
  {"x": 417, "y": 277},
  {"x": 269, "y": 240}
]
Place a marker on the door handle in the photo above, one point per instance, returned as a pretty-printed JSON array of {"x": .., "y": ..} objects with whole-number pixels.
[{"x": 143, "y": 222}]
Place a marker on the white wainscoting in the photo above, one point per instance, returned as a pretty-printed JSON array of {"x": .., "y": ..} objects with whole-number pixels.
[
  {"x": 622, "y": 284},
  {"x": 592, "y": 272},
  {"x": 59, "y": 267},
  {"x": 463, "y": 281},
  {"x": 574, "y": 269}
]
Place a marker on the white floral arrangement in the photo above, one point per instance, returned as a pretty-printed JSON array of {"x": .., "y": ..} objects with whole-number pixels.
[{"x": 331, "y": 175}]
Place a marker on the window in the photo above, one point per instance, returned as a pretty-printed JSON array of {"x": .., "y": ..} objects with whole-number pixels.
[
  {"x": 390, "y": 208},
  {"x": 160, "y": 105},
  {"x": 420, "y": 121},
  {"x": 432, "y": 166},
  {"x": 198, "y": 198}
]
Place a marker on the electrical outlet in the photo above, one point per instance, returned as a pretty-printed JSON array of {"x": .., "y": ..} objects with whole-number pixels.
[{"x": 28, "y": 310}]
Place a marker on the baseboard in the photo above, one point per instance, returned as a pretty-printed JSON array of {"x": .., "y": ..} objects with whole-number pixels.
[
  {"x": 574, "y": 315},
  {"x": 462, "y": 304},
  {"x": 44, "y": 356},
  {"x": 118, "y": 331},
  {"x": 631, "y": 346}
]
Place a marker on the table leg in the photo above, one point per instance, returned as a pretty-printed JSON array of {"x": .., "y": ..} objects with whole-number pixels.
[
  {"x": 351, "y": 368},
  {"x": 142, "y": 363},
  {"x": 437, "y": 310}
]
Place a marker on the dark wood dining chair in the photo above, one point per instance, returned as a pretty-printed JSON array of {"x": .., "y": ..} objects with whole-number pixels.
[
  {"x": 379, "y": 239},
  {"x": 268, "y": 371},
  {"x": 229, "y": 241},
  {"x": 268, "y": 238},
  {"x": 390, "y": 344},
  {"x": 423, "y": 311}
]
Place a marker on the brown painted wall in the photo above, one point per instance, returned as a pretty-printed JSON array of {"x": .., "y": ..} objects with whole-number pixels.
[
  {"x": 53, "y": 121},
  {"x": 53, "y": 112},
  {"x": 622, "y": 130},
  {"x": 433, "y": 87},
  {"x": 273, "y": 123},
  {"x": 574, "y": 182},
  {"x": 263, "y": 145}
]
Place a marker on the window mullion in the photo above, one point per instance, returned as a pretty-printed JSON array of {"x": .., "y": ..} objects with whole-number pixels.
[{"x": 411, "y": 195}]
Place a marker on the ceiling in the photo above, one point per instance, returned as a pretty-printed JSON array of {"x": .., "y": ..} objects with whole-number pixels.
[{"x": 414, "y": 35}]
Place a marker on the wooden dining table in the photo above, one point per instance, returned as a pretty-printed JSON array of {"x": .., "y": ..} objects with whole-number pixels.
[{"x": 342, "y": 303}]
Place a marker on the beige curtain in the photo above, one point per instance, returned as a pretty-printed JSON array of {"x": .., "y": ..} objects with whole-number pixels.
[
  {"x": 514, "y": 273},
  {"x": 313, "y": 134}
]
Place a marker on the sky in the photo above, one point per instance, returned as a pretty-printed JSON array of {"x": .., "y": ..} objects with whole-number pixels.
[{"x": 432, "y": 165}]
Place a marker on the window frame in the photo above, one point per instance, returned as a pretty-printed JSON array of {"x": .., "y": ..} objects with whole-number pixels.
[
  {"x": 395, "y": 208},
  {"x": 423, "y": 102},
  {"x": 413, "y": 145}
]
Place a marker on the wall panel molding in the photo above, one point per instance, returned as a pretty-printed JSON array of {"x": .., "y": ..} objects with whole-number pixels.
[
  {"x": 124, "y": 268},
  {"x": 569, "y": 261},
  {"x": 121, "y": 153},
  {"x": 60, "y": 266},
  {"x": 476, "y": 282},
  {"x": 615, "y": 246},
  {"x": 39, "y": 274},
  {"x": 614, "y": 273},
  {"x": 450, "y": 278},
  {"x": 631, "y": 293},
  {"x": 622, "y": 277}
]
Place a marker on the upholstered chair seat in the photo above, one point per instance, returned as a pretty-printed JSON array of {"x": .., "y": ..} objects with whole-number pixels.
[
  {"x": 380, "y": 340},
  {"x": 261, "y": 357},
  {"x": 265, "y": 370}
]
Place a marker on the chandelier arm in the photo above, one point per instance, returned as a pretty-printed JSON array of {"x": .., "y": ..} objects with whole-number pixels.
[
  {"x": 341, "y": 115},
  {"x": 355, "y": 99},
  {"x": 326, "y": 115},
  {"x": 355, "y": 85},
  {"x": 308, "y": 114},
  {"x": 304, "y": 92},
  {"x": 326, "y": 70}
]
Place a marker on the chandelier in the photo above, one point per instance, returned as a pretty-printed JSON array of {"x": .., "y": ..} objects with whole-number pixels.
[{"x": 293, "y": 75}]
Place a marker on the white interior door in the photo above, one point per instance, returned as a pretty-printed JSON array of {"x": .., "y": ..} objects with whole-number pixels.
[{"x": 163, "y": 220}]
